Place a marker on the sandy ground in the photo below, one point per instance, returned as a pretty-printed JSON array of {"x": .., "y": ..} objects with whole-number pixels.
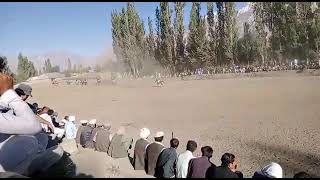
[{"x": 258, "y": 119}]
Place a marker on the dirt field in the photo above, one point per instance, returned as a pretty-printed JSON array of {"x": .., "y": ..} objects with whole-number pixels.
[{"x": 257, "y": 119}]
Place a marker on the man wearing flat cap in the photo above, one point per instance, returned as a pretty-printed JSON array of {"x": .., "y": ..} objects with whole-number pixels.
[{"x": 153, "y": 151}]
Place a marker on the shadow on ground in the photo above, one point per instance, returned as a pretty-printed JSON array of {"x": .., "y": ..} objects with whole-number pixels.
[
  {"x": 64, "y": 168},
  {"x": 292, "y": 161}
]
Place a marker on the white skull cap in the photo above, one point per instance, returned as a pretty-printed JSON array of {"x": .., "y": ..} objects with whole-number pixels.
[
  {"x": 144, "y": 132},
  {"x": 93, "y": 121},
  {"x": 159, "y": 134}
]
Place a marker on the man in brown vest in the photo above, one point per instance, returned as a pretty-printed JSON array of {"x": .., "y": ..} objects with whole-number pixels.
[
  {"x": 139, "y": 156},
  {"x": 120, "y": 144},
  {"x": 102, "y": 138},
  {"x": 153, "y": 151}
]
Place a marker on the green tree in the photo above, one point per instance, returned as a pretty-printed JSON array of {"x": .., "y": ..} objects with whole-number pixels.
[
  {"x": 196, "y": 38},
  {"x": 47, "y": 66},
  {"x": 261, "y": 34},
  {"x": 212, "y": 35},
  {"x": 179, "y": 36},
  {"x": 4, "y": 67},
  {"x": 69, "y": 65},
  {"x": 25, "y": 68},
  {"x": 165, "y": 36},
  {"x": 247, "y": 47}
]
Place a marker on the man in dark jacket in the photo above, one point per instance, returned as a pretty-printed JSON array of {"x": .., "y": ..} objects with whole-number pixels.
[
  {"x": 198, "y": 166},
  {"x": 85, "y": 135},
  {"x": 228, "y": 167},
  {"x": 79, "y": 131},
  {"x": 89, "y": 143},
  {"x": 140, "y": 147},
  {"x": 167, "y": 161},
  {"x": 102, "y": 139},
  {"x": 153, "y": 151}
]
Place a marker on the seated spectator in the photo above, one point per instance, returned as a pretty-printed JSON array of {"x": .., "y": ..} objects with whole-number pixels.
[
  {"x": 153, "y": 151},
  {"x": 184, "y": 158},
  {"x": 198, "y": 166},
  {"x": 103, "y": 138},
  {"x": 228, "y": 167},
  {"x": 272, "y": 170},
  {"x": 55, "y": 123},
  {"x": 79, "y": 131},
  {"x": 302, "y": 175},
  {"x": 120, "y": 144},
  {"x": 140, "y": 147},
  {"x": 167, "y": 161},
  {"x": 20, "y": 151},
  {"x": 70, "y": 127},
  {"x": 46, "y": 115},
  {"x": 24, "y": 91}
]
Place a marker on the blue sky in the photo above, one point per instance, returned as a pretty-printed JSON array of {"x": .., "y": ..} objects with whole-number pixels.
[{"x": 80, "y": 28}]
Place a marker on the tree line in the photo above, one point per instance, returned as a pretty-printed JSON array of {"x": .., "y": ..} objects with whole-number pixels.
[
  {"x": 26, "y": 68},
  {"x": 282, "y": 31}
]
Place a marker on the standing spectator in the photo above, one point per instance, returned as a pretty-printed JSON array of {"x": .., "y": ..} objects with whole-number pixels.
[
  {"x": 70, "y": 127},
  {"x": 90, "y": 143},
  {"x": 228, "y": 167},
  {"x": 79, "y": 131},
  {"x": 86, "y": 132},
  {"x": 272, "y": 170},
  {"x": 140, "y": 147},
  {"x": 120, "y": 144},
  {"x": 167, "y": 161},
  {"x": 184, "y": 158},
  {"x": 198, "y": 166},
  {"x": 153, "y": 151},
  {"x": 103, "y": 138}
]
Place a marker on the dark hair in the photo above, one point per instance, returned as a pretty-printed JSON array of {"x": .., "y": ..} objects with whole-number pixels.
[
  {"x": 158, "y": 139},
  {"x": 20, "y": 92},
  {"x": 207, "y": 151},
  {"x": 66, "y": 117},
  {"x": 174, "y": 143},
  {"x": 35, "y": 105},
  {"x": 191, "y": 145},
  {"x": 302, "y": 174},
  {"x": 227, "y": 158},
  {"x": 50, "y": 112}
]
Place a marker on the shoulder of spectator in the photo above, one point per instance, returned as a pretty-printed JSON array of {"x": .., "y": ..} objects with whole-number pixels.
[{"x": 7, "y": 97}]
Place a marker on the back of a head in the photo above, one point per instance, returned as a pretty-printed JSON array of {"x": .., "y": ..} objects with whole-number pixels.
[
  {"x": 191, "y": 146},
  {"x": 174, "y": 143},
  {"x": 272, "y": 170},
  {"x": 36, "y": 105},
  {"x": 159, "y": 136},
  {"x": 207, "y": 151},
  {"x": 19, "y": 92},
  {"x": 227, "y": 158},
  {"x": 121, "y": 130},
  {"x": 302, "y": 175},
  {"x": 158, "y": 139},
  {"x": 50, "y": 112}
]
